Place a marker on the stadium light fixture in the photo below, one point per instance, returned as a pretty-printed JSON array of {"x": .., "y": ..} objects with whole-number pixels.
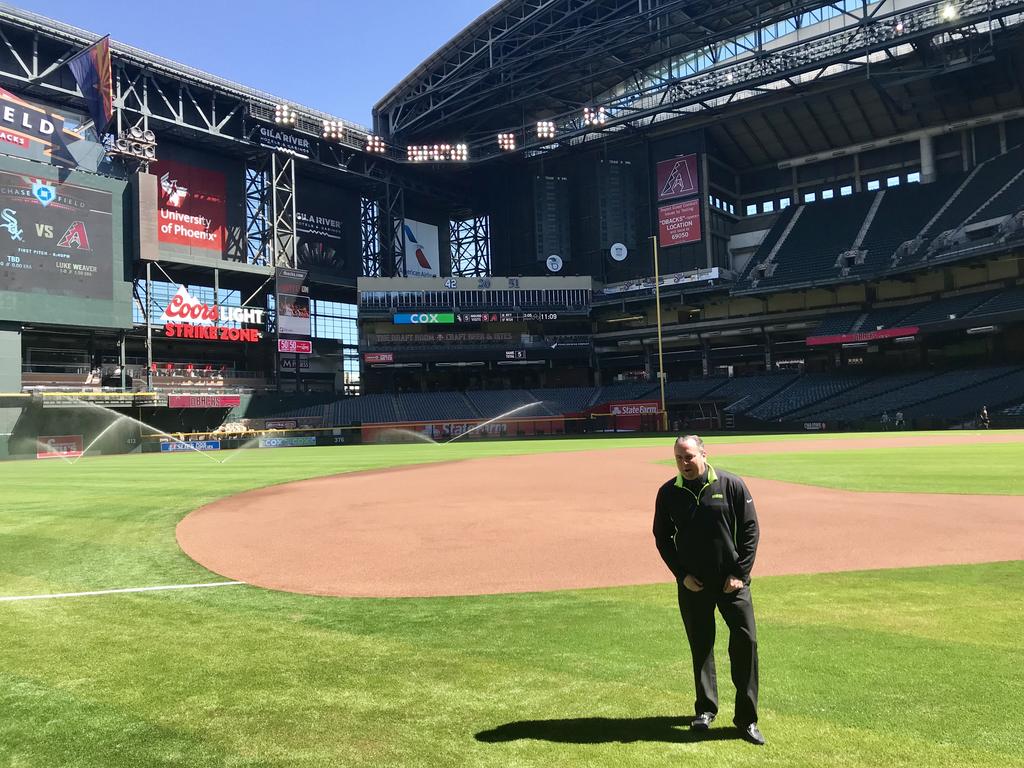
[
  {"x": 375, "y": 145},
  {"x": 899, "y": 27},
  {"x": 437, "y": 153},
  {"x": 507, "y": 142},
  {"x": 545, "y": 129},
  {"x": 949, "y": 12},
  {"x": 594, "y": 116},
  {"x": 284, "y": 115},
  {"x": 334, "y": 129}
]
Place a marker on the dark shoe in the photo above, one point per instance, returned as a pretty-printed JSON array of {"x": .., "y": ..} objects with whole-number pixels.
[
  {"x": 702, "y": 721},
  {"x": 753, "y": 735}
]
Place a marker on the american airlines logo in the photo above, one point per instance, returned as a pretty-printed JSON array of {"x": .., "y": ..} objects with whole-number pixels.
[{"x": 174, "y": 191}]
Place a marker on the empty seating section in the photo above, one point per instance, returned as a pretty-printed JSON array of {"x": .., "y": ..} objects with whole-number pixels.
[
  {"x": 430, "y": 406},
  {"x": 633, "y": 391},
  {"x": 835, "y": 325},
  {"x": 823, "y": 231},
  {"x": 565, "y": 399},
  {"x": 966, "y": 402},
  {"x": 694, "y": 389},
  {"x": 809, "y": 388},
  {"x": 491, "y": 403},
  {"x": 986, "y": 182},
  {"x": 1006, "y": 203},
  {"x": 901, "y": 216},
  {"x": 869, "y": 389},
  {"x": 743, "y": 393},
  {"x": 949, "y": 308},
  {"x": 1011, "y": 300},
  {"x": 883, "y": 317},
  {"x": 766, "y": 246},
  {"x": 912, "y": 394}
]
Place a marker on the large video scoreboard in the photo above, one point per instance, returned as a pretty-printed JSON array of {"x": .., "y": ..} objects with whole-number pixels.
[{"x": 62, "y": 258}]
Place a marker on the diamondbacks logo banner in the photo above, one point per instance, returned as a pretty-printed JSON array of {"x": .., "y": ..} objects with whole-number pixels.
[{"x": 677, "y": 177}]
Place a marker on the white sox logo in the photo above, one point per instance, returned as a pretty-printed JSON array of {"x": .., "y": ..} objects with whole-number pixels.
[
  {"x": 75, "y": 237},
  {"x": 174, "y": 191},
  {"x": 11, "y": 224}
]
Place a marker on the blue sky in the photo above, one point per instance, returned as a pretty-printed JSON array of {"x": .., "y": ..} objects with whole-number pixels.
[{"x": 340, "y": 56}]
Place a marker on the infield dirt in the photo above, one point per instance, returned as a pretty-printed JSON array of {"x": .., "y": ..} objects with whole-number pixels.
[{"x": 566, "y": 521}]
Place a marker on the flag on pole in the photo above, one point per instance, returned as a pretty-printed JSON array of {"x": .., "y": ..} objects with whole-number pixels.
[{"x": 91, "y": 69}]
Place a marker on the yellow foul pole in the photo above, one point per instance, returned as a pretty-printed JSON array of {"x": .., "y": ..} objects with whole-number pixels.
[{"x": 661, "y": 359}]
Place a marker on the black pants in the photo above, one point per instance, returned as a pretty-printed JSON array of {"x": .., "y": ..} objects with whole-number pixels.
[{"x": 698, "y": 612}]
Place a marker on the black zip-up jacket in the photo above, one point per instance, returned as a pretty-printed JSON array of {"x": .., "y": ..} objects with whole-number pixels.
[{"x": 709, "y": 534}]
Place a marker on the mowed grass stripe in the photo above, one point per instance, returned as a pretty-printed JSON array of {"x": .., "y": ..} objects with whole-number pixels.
[
  {"x": 970, "y": 468},
  {"x": 277, "y": 679}
]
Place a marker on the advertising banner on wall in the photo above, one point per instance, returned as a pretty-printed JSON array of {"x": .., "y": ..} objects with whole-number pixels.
[
  {"x": 677, "y": 177},
  {"x": 188, "y": 318},
  {"x": 320, "y": 245},
  {"x": 679, "y": 223},
  {"x": 55, "y": 239},
  {"x": 422, "y": 258},
  {"x": 203, "y": 401},
  {"x": 293, "y": 315},
  {"x": 36, "y": 132},
  {"x": 59, "y": 446},
  {"x": 189, "y": 445},
  {"x": 191, "y": 209}
]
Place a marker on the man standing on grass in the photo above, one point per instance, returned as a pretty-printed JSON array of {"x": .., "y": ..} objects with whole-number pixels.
[{"x": 705, "y": 526}]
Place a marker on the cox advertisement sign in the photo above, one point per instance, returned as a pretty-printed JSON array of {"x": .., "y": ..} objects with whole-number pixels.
[
  {"x": 425, "y": 318},
  {"x": 190, "y": 445},
  {"x": 286, "y": 442}
]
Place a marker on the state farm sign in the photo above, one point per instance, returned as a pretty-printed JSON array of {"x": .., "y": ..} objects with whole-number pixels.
[
  {"x": 633, "y": 409},
  {"x": 188, "y": 318}
]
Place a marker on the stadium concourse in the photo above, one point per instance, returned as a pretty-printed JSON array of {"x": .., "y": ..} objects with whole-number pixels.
[{"x": 574, "y": 217}]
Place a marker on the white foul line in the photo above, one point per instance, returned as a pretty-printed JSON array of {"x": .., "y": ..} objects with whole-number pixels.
[{"x": 120, "y": 591}]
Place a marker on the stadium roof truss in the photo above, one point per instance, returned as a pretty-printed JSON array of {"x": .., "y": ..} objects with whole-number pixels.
[
  {"x": 645, "y": 61},
  {"x": 173, "y": 99}
]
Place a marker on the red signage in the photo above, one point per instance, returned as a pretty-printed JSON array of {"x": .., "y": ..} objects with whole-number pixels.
[
  {"x": 295, "y": 346},
  {"x": 677, "y": 177},
  {"x": 191, "y": 206},
  {"x": 378, "y": 357},
  {"x": 204, "y": 401},
  {"x": 679, "y": 223},
  {"x": 59, "y": 446},
  {"x": 848, "y": 338}
]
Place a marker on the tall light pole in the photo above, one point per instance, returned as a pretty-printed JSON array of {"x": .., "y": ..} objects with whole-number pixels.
[{"x": 657, "y": 310}]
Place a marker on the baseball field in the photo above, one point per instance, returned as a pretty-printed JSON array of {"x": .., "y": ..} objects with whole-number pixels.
[{"x": 502, "y": 604}]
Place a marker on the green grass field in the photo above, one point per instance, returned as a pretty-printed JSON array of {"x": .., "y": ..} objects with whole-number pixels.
[{"x": 916, "y": 667}]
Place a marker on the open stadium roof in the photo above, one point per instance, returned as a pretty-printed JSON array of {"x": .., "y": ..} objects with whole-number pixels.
[{"x": 646, "y": 61}]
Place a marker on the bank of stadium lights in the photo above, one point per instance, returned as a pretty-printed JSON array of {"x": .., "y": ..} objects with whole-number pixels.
[
  {"x": 284, "y": 115},
  {"x": 594, "y": 116},
  {"x": 437, "y": 153},
  {"x": 375, "y": 145},
  {"x": 545, "y": 129},
  {"x": 334, "y": 130},
  {"x": 507, "y": 142}
]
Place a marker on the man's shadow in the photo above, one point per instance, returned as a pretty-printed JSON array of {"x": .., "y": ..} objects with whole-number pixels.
[{"x": 602, "y": 730}]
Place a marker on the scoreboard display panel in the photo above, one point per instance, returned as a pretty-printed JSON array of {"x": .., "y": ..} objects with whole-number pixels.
[{"x": 56, "y": 238}]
